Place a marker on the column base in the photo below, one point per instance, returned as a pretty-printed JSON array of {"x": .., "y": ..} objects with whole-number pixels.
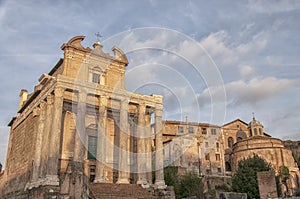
[
  {"x": 100, "y": 180},
  {"x": 123, "y": 181},
  {"x": 51, "y": 180},
  {"x": 143, "y": 183},
  {"x": 160, "y": 184}
]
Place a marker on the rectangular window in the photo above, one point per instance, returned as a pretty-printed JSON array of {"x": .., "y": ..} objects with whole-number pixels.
[
  {"x": 180, "y": 129},
  {"x": 218, "y": 158},
  {"x": 218, "y": 146},
  {"x": 92, "y": 147},
  {"x": 219, "y": 170},
  {"x": 207, "y": 157},
  {"x": 213, "y": 131},
  {"x": 191, "y": 129},
  {"x": 206, "y": 144},
  {"x": 96, "y": 78},
  {"x": 204, "y": 131}
]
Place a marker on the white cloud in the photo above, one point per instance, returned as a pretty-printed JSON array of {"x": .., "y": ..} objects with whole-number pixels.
[
  {"x": 251, "y": 92},
  {"x": 245, "y": 70},
  {"x": 217, "y": 48},
  {"x": 270, "y": 6},
  {"x": 225, "y": 53}
]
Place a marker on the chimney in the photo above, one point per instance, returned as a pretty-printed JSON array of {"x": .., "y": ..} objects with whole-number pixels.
[{"x": 23, "y": 97}]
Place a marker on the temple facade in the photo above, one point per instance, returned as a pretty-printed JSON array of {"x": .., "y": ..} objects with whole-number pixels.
[{"x": 80, "y": 126}]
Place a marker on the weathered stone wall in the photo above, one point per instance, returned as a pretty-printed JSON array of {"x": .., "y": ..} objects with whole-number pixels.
[
  {"x": 21, "y": 155},
  {"x": 270, "y": 149}
]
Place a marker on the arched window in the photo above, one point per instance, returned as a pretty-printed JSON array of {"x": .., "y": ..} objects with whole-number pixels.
[
  {"x": 230, "y": 142},
  {"x": 227, "y": 166},
  {"x": 255, "y": 131},
  {"x": 260, "y": 131}
]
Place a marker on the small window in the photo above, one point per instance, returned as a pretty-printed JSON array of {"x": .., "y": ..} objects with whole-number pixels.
[
  {"x": 260, "y": 131},
  {"x": 92, "y": 178},
  {"x": 207, "y": 157},
  {"x": 191, "y": 129},
  {"x": 204, "y": 131},
  {"x": 180, "y": 129},
  {"x": 92, "y": 170},
  {"x": 218, "y": 158},
  {"x": 218, "y": 146},
  {"x": 92, "y": 147},
  {"x": 219, "y": 170},
  {"x": 206, "y": 144},
  {"x": 255, "y": 131},
  {"x": 213, "y": 131},
  {"x": 96, "y": 78}
]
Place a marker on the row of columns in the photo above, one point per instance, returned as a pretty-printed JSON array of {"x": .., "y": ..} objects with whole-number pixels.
[
  {"x": 46, "y": 156},
  {"x": 49, "y": 138}
]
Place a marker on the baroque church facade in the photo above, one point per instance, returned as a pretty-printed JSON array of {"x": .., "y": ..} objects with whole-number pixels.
[{"x": 80, "y": 131}]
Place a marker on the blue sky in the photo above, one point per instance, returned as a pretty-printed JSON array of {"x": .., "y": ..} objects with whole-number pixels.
[{"x": 254, "y": 44}]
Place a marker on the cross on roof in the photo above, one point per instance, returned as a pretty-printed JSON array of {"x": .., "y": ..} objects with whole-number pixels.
[{"x": 98, "y": 35}]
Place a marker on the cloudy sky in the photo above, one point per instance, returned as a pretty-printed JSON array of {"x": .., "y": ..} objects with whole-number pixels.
[{"x": 223, "y": 59}]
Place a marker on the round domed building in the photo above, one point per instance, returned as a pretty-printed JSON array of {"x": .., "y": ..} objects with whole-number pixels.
[{"x": 270, "y": 149}]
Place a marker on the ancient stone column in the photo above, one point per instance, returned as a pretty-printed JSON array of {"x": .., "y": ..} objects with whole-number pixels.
[
  {"x": 101, "y": 144},
  {"x": 38, "y": 144},
  {"x": 123, "y": 147},
  {"x": 80, "y": 137},
  {"x": 159, "y": 156},
  {"x": 141, "y": 145},
  {"x": 148, "y": 145},
  {"x": 46, "y": 136},
  {"x": 52, "y": 166}
]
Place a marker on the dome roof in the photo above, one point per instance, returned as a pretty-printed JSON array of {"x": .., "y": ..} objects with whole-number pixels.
[{"x": 254, "y": 122}]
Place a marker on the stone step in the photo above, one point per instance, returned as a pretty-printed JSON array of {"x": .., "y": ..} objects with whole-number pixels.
[{"x": 122, "y": 191}]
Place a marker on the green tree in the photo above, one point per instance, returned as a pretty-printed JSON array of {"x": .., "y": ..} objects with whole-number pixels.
[
  {"x": 187, "y": 185},
  {"x": 245, "y": 179},
  {"x": 190, "y": 185}
]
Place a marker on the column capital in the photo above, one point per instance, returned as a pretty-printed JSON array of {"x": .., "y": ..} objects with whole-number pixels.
[
  {"x": 158, "y": 111},
  {"x": 59, "y": 92},
  {"x": 124, "y": 103},
  {"x": 50, "y": 99},
  {"x": 142, "y": 108},
  {"x": 43, "y": 105},
  {"x": 82, "y": 95},
  {"x": 103, "y": 100},
  {"x": 36, "y": 111}
]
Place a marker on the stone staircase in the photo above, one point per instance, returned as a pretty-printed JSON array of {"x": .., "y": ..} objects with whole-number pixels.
[{"x": 119, "y": 191}]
